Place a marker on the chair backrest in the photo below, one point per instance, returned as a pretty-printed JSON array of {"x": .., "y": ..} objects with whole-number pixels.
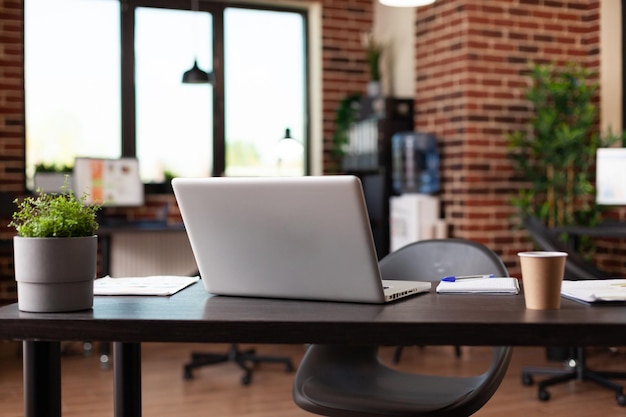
[
  {"x": 576, "y": 267},
  {"x": 430, "y": 260},
  {"x": 433, "y": 259}
]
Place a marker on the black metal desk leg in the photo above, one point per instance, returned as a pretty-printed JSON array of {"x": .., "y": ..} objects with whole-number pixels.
[
  {"x": 127, "y": 379},
  {"x": 42, "y": 379}
]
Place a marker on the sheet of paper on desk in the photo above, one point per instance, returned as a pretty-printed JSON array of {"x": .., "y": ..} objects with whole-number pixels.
[
  {"x": 497, "y": 285},
  {"x": 162, "y": 285},
  {"x": 595, "y": 290}
]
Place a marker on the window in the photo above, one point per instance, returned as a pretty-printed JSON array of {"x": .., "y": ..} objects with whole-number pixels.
[
  {"x": 71, "y": 81},
  {"x": 106, "y": 82},
  {"x": 174, "y": 121},
  {"x": 265, "y": 92}
]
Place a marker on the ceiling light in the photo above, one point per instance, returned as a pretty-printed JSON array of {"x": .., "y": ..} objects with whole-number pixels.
[{"x": 406, "y": 3}]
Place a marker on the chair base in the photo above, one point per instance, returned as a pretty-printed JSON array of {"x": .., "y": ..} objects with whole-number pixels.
[
  {"x": 578, "y": 371},
  {"x": 245, "y": 359}
]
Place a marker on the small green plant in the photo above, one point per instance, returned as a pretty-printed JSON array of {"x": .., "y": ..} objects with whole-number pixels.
[
  {"x": 55, "y": 215},
  {"x": 373, "y": 52}
]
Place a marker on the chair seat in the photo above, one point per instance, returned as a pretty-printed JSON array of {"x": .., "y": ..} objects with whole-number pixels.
[{"x": 351, "y": 381}]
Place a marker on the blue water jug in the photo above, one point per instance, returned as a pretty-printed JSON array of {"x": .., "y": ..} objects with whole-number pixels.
[{"x": 415, "y": 163}]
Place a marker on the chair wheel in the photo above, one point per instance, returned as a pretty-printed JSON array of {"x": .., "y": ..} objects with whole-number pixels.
[
  {"x": 527, "y": 379},
  {"x": 246, "y": 379},
  {"x": 621, "y": 399},
  {"x": 543, "y": 395}
]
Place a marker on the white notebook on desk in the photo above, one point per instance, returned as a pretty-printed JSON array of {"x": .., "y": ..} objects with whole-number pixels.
[
  {"x": 595, "y": 290},
  {"x": 497, "y": 285},
  {"x": 161, "y": 285}
]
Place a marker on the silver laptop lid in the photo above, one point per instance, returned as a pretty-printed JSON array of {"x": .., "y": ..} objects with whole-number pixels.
[{"x": 284, "y": 237}]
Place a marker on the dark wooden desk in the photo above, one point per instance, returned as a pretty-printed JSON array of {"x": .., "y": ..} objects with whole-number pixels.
[{"x": 194, "y": 316}]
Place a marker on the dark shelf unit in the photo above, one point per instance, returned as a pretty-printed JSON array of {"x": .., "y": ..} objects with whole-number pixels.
[{"x": 369, "y": 157}]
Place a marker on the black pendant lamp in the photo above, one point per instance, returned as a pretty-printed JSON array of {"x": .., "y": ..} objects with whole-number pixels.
[{"x": 195, "y": 75}]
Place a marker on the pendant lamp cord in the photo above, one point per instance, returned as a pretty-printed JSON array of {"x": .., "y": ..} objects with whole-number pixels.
[{"x": 195, "y": 9}]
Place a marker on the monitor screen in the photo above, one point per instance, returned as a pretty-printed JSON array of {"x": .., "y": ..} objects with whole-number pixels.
[
  {"x": 610, "y": 174},
  {"x": 109, "y": 182}
]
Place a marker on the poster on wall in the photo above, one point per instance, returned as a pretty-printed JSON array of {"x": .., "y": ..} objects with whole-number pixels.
[{"x": 109, "y": 182}]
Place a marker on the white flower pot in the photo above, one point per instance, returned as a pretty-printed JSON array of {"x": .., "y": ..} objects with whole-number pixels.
[
  {"x": 51, "y": 182},
  {"x": 374, "y": 89},
  {"x": 55, "y": 274}
]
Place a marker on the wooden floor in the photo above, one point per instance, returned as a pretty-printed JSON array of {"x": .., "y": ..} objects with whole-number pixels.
[{"x": 216, "y": 390}]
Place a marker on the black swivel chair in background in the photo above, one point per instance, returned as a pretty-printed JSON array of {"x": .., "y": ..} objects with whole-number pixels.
[
  {"x": 576, "y": 268},
  {"x": 351, "y": 381},
  {"x": 245, "y": 359}
]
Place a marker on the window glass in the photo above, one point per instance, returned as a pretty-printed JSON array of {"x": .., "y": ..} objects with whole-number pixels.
[
  {"x": 174, "y": 121},
  {"x": 72, "y": 81},
  {"x": 73, "y": 88},
  {"x": 265, "y": 89}
]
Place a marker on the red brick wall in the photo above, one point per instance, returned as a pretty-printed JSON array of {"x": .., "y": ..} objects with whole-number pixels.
[
  {"x": 472, "y": 59},
  {"x": 11, "y": 127},
  {"x": 11, "y": 97}
]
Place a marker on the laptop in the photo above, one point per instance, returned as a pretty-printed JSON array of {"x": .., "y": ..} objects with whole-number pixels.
[{"x": 303, "y": 238}]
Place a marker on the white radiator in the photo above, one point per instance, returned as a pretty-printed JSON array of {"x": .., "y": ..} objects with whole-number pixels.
[{"x": 151, "y": 253}]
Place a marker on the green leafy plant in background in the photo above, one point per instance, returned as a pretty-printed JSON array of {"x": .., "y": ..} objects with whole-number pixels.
[
  {"x": 555, "y": 156},
  {"x": 345, "y": 117},
  {"x": 55, "y": 215},
  {"x": 43, "y": 167}
]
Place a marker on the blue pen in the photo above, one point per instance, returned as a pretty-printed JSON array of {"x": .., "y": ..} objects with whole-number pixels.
[{"x": 454, "y": 278}]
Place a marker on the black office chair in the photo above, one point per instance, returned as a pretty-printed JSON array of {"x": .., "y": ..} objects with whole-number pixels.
[
  {"x": 576, "y": 268},
  {"x": 245, "y": 359},
  {"x": 351, "y": 381},
  {"x": 429, "y": 257}
]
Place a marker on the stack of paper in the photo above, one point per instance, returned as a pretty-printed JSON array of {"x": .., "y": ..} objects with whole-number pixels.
[
  {"x": 498, "y": 285},
  {"x": 595, "y": 290},
  {"x": 152, "y": 285}
]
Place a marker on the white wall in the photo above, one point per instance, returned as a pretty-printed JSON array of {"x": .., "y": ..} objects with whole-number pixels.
[
  {"x": 610, "y": 66},
  {"x": 394, "y": 27}
]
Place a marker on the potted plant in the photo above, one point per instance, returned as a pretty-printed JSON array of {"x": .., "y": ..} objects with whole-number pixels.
[
  {"x": 345, "y": 117},
  {"x": 55, "y": 251},
  {"x": 373, "y": 52},
  {"x": 555, "y": 155},
  {"x": 50, "y": 177}
]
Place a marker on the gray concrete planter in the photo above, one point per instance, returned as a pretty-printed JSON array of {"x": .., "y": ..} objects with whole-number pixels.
[{"x": 55, "y": 274}]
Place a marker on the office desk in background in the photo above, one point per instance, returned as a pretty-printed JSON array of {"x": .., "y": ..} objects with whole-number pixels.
[
  {"x": 605, "y": 230},
  {"x": 608, "y": 229},
  {"x": 192, "y": 315},
  {"x": 144, "y": 248}
]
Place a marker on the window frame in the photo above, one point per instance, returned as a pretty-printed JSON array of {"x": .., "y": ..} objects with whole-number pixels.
[{"x": 216, "y": 9}]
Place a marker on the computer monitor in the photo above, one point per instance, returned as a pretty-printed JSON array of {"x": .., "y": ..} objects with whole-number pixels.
[
  {"x": 610, "y": 174},
  {"x": 109, "y": 182}
]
